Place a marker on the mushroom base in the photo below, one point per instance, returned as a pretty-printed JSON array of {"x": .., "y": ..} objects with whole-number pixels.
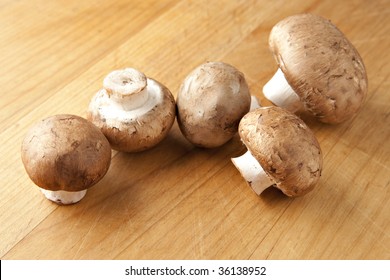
[
  {"x": 64, "y": 197},
  {"x": 279, "y": 92},
  {"x": 252, "y": 172}
]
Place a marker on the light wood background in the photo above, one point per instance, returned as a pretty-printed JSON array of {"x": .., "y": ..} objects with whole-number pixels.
[{"x": 176, "y": 201}]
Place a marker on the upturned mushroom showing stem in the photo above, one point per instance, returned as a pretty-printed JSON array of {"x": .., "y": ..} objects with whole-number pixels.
[
  {"x": 320, "y": 71},
  {"x": 282, "y": 152},
  {"x": 134, "y": 112},
  {"x": 127, "y": 89},
  {"x": 65, "y": 155}
]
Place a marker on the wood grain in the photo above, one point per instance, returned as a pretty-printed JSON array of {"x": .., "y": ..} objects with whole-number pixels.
[{"x": 176, "y": 201}]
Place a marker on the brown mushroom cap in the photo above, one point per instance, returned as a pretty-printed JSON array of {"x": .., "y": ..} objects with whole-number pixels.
[
  {"x": 211, "y": 101},
  {"x": 65, "y": 152},
  {"x": 285, "y": 148},
  {"x": 139, "y": 129},
  {"x": 321, "y": 66}
]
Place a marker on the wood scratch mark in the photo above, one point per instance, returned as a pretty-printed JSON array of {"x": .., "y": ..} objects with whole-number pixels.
[{"x": 84, "y": 238}]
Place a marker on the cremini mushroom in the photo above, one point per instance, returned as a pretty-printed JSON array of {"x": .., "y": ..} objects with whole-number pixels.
[
  {"x": 210, "y": 103},
  {"x": 282, "y": 152},
  {"x": 65, "y": 155},
  {"x": 134, "y": 112},
  {"x": 320, "y": 71}
]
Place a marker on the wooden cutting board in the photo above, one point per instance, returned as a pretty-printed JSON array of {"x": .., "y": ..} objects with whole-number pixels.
[{"x": 177, "y": 201}]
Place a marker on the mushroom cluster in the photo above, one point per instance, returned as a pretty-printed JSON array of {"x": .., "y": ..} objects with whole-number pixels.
[
  {"x": 64, "y": 155},
  {"x": 320, "y": 71}
]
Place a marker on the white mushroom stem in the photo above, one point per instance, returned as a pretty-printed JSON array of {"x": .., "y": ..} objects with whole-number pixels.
[
  {"x": 127, "y": 88},
  {"x": 252, "y": 172},
  {"x": 254, "y": 103},
  {"x": 64, "y": 197},
  {"x": 279, "y": 92}
]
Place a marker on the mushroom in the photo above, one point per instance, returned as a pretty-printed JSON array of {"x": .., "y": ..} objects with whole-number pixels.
[
  {"x": 134, "y": 112},
  {"x": 210, "y": 103},
  {"x": 320, "y": 71},
  {"x": 65, "y": 155},
  {"x": 282, "y": 152}
]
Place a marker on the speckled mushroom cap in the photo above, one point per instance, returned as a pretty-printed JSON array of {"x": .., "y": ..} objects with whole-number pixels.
[
  {"x": 65, "y": 152},
  {"x": 211, "y": 101},
  {"x": 320, "y": 65},
  {"x": 285, "y": 148}
]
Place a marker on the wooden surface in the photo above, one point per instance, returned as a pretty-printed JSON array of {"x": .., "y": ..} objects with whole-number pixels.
[{"x": 176, "y": 201}]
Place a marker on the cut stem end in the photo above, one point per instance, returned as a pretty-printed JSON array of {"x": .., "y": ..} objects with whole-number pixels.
[{"x": 127, "y": 87}]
